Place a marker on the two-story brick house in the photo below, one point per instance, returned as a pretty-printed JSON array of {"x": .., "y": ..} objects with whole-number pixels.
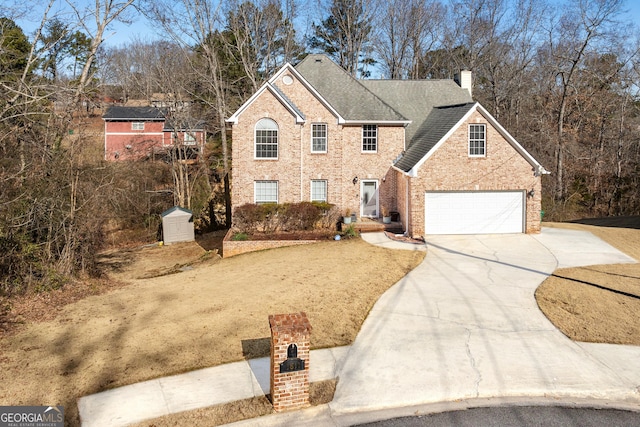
[
  {"x": 421, "y": 148},
  {"x": 137, "y": 132}
]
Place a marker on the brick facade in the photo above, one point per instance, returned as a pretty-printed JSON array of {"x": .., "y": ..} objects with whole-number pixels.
[
  {"x": 285, "y": 99},
  {"x": 290, "y": 339},
  {"x": 121, "y": 142},
  {"x": 451, "y": 169},
  {"x": 232, "y": 247},
  {"x": 297, "y": 165}
]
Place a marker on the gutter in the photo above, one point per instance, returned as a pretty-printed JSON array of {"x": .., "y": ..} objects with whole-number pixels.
[{"x": 404, "y": 123}]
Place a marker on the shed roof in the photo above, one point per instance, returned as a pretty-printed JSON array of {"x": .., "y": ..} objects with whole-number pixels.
[{"x": 176, "y": 211}]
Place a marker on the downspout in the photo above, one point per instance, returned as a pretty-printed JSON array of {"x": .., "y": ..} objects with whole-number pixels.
[
  {"x": 105, "y": 140},
  {"x": 406, "y": 202},
  {"x": 301, "y": 159}
]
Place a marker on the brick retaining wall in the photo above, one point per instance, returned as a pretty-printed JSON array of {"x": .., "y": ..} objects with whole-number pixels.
[{"x": 231, "y": 247}]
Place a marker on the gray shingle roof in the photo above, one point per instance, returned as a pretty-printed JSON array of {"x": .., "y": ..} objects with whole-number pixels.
[
  {"x": 116, "y": 112},
  {"x": 415, "y": 99},
  {"x": 432, "y": 106},
  {"x": 352, "y": 100},
  {"x": 170, "y": 125},
  {"x": 440, "y": 121}
]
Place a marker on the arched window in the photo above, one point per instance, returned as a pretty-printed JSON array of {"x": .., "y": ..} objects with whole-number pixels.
[{"x": 266, "y": 139}]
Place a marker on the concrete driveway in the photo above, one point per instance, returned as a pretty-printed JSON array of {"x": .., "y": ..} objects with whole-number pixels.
[
  {"x": 461, "y": 330},
  {"x": 465, "y": 325}
]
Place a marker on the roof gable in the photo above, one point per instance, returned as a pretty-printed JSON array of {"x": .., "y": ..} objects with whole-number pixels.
[
  {"x": 439, "y": 126},
  {"x": 288, "y": 68},
  {"x": 442, "y": 121},
  {"x": 538, "y": 168},
  {"x": 277, "y": 93}
]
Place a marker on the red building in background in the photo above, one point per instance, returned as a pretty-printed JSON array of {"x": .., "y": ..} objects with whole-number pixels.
[{"x": 132, "y": 133}]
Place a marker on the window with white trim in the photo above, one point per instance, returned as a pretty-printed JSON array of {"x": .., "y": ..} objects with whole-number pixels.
[
  {"x": 137, "y": 126},
  {"x": 318, "y": 190},
  {"x": 265, "y": 191},
  {"x": 266, "y": 142},
  {"x": 369, "y": 138},
  {"x": 318, "y": 138},
  {"x": 189, "y": 138},
  {"x": 477, "y": 140}
]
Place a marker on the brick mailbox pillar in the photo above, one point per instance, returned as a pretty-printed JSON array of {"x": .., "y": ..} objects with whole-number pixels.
[{"x": 289, "y": 361}]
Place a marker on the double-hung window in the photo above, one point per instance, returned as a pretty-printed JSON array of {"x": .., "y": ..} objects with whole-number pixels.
[
  {"x": 265, "y": 191},
  {"x": 318, "y": 138},
  {"x": 318, "y": 190},
  {"x": 369, "y": 138},
  {"x": 477, "y": 140},
  {"x": 266, "y": 142},
  {"x": 137, "y": 126}
]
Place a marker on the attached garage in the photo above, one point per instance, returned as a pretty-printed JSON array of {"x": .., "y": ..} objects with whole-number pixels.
[{"x": 474, "y": 212}]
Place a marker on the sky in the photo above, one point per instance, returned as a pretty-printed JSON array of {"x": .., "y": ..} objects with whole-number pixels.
[
  {"x": 117, "y": 34},
  {"x": 120, "y": 34}
]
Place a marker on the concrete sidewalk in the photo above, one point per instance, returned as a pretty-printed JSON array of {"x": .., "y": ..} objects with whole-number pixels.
[
  {"x": 461, "y": 328},
  {"x": 192, "y": 390}
]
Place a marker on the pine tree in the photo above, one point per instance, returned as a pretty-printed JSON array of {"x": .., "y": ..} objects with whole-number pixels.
[{"x": 345, "y": 35}]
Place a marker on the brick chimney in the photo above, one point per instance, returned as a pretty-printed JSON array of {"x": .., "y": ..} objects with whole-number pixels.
[{"x": 465, "y": 80}]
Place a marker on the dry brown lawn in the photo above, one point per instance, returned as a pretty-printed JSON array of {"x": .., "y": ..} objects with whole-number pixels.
[
  {"x": 599, "y": 303},
  {"x": 183, "y": 308},
  {"x": 173, "y": 309}
]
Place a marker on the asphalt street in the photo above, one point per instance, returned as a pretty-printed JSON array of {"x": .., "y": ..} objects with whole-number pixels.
[{"x": 519, "y": 416}]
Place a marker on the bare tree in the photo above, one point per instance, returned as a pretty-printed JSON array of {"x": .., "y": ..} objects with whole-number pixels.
[
  {"x": 584, "y": 26},
  {"x": 194, "y": 26},
  {"x": 262, "y": 36},
  {"x": 102, "y": 14},
  {"x": 507, "y": 60},
  {"x": 47, "y": 191},
  {"x": 405, "y": 31}
]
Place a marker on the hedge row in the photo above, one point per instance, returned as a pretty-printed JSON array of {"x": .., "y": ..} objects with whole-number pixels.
[{"x": 272, "y": 217}]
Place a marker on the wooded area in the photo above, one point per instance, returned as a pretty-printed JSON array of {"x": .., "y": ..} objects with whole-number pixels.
[{"x": 563, "y": 79}]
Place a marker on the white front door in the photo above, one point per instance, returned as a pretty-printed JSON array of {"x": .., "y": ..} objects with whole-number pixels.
[{"x": 369, "y": 198}]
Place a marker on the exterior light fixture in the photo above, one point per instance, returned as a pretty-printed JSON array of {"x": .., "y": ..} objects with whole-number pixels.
[
  {"x": 531, "y": 193},
  {"x": 355, "y": 180}
]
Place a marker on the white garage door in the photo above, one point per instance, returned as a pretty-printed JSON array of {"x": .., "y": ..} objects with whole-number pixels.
[{"x": 474, "y": 212}]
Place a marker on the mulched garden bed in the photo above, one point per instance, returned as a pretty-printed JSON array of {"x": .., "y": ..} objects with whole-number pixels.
[{"x": 403, "y": 238}]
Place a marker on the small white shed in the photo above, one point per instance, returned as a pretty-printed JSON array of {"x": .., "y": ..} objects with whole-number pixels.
[{"x": 177, "y": 225}]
